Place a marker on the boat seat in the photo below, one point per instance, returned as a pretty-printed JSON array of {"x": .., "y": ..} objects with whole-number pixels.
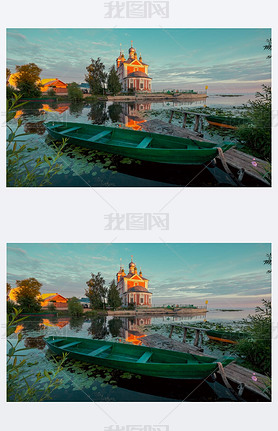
[
  {"x": 98, "y": 351},
  {"x": 99, "y": 135},
  {"x": 144, "y": 143},
  {"x": 57, "y": 341},
  {"x": 72, "y": 129},
  {"x": 71, "y": 344},
  {"x": 144, "y": 358}
]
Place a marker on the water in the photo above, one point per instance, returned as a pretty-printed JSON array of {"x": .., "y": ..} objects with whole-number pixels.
[
  {"x": 85, "y": 168},
  {"x": 83, "y": 382}
]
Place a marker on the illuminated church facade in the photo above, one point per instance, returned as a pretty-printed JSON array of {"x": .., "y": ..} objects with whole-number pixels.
[
  {"x": 133, "y": 287},
  {"x": 133, "y": 73}
]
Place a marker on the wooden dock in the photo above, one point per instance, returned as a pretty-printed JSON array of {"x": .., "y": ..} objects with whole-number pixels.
[
  {"x": 236, "y": 374},
  {"x": 232, "y": 159}
]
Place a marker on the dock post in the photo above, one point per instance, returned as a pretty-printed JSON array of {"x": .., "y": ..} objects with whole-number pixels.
[
  {"x": 172, "y": 113},
  {"x": 184, "y": 335},
  {"x": 184, "y": 120},
  {"x": 197, "y": 334},
  {"x": 171, "y": 332},
  {"x": 197, "y": 119}
]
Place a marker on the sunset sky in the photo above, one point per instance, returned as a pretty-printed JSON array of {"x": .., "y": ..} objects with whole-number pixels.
[
  {"x": 227, "y": 275},
  {"x": 227, "y": 60}
]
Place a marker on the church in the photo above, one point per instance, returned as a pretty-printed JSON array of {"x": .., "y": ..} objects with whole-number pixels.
[
  {"x": 133, "y": 287},
  {"x": 133, "y": 73}
]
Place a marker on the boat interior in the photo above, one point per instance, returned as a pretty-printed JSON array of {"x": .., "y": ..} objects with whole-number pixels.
[
  {"x": 126, "y": 138},
  {"x": 126, "y": 352}
]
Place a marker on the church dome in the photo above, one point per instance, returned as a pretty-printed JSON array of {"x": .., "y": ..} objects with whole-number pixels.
[
  {"x": 132, "y": 264},
  {"x": 131, "y": 49}
]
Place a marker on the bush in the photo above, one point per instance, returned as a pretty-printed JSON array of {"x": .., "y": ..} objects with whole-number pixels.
[
  {"x": 74, "y": 307},
  {"x": 256, "y": 350},
  {"x": 256, "y": 136},
  {"x": 11, "y": 305}
]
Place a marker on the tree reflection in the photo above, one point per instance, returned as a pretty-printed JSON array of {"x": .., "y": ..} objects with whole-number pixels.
[
  {"x": 35, "y": 342},
  {"x": 98, "y": 327},
  {"x": 98, "y": 113},
  {"x": 115, "y": 325},
  {"x": 115, "y": 111},
  {"x": 34, "y": 128},
  {"x": 76, "y": 108},
  {"x": 76, "y": 323}
]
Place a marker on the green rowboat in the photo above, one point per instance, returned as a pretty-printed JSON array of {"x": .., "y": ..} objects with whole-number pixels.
[
  {"x": 136, "y": 359},
  {"x": 150, "y": 147},
  {"x": 226, "y": 337},
  {"x": 227, "y": 122}
]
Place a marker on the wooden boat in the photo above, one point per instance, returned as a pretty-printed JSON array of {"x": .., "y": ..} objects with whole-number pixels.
[
  {"x": 227, "y": 122},
  {"x": 151, "y": 147},
  {"x": 136, "y": 359},
  {"x": 225, "y": 336}
]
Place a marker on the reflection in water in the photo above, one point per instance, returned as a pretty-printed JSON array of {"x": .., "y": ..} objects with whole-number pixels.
[
  {"x": 98, "y": 327},
  {"x": 76, "y": 108},
  {"x": 58, "y": 322},
  {"x": 37, "y": 128},
  {"x": 115, "y": 111},
  {"x": 98, "y": 113},
  {"x": 114, "y": 326},
  {"x": 76, "y": 323},
  {"x": 35, "y": 342}
]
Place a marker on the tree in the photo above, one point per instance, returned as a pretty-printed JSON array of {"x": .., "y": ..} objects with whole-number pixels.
[
  {"x": 96, "y": 76},
  {"x": 74, "y": 92},
  {"x": 268, "y": 261},
  {"x": 51, "y": 92},
  {"x": 28, "y": 80},
  {"x": 113, "y": 297},
  {"x": 96, "y": 291},
  {"x": 28, "y": 295},
  {"x": 113, "y": 82},
  {"x": 9, "y": 288},
  {"x": 8, "y": 74},
  {"x": 74, "y": 307},
  {"x": 268, "y": 46}
]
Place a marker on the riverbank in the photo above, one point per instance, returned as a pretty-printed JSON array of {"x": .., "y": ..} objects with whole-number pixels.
[{"x": 154, "y": 97}]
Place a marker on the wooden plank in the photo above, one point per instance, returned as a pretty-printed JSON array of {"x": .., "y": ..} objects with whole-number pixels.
[
  {"x": 72, "y": 129},
  {"x": 171, "y": 117},
  {"x": 197, "y": 120},
  {"x": 197, "y": 334},
  {"x": 99, "y": 135},
  {"x": 145, "y": 142},
  {"x": 184, "y": 120},
  {"x": 144, "y": 358},
  {"x": 171, "y": 332},
  {"x": 184, "y": 335},
  {"x": 66, "y": 346},
  {"x": 98, "y": 351}
]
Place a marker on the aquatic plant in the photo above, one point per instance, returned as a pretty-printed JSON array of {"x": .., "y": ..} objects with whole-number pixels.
[
  {"x": 22, "y": 384},
  {"x": 21, "y": 169}
]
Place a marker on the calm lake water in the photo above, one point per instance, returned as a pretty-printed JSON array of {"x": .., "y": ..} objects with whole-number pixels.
[
  {"x": 85, "y": 168},
  {"x": 83, "y": 382}
]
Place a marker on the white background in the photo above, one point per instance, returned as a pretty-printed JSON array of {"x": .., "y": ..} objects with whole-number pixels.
[{"x": 196, "y": 215}]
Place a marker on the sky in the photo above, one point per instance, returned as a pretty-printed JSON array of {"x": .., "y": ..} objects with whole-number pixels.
[
  {"x": 227, "y": 60},
  {"x": 227, "y": 275}
]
